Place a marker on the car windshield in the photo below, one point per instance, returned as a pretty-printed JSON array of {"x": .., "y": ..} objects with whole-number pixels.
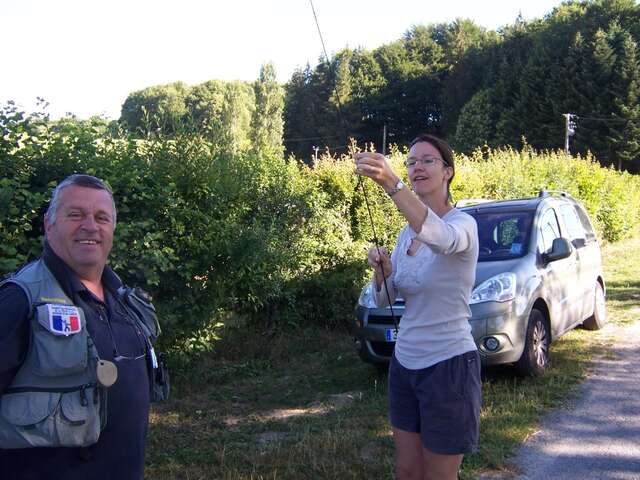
[{"x": 502, "y": 235}]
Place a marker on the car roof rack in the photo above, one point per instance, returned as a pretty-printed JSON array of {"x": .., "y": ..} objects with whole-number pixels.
[
  {"x": 547, "y": 193},
  {"x": 463, "y": 202}
]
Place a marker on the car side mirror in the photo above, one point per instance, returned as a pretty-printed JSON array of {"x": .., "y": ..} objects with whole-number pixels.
[{"x": 560, "y": 248}]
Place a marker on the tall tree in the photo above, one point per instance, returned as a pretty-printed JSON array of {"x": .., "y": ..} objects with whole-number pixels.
[
  {"x": 367, "y": 82},
  {"x": 578, "y": 91},
  {"x": 467, "y": 47},
  {"x": 160, "y": 108},
  {"x": 205, "y": 103},
  {"x": 298, "y": 113},
  {"x": 476, "y": 122},
  {"x": 267, "y": 124},
  {"x": 624, "y": 130},
  {"x": 239, "y": 103},
  {"x": 512, "y": 54},
  {"x": 537, "y": 106}
]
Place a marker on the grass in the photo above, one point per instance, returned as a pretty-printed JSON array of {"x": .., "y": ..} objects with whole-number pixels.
[{"x": 256, "y": 405}]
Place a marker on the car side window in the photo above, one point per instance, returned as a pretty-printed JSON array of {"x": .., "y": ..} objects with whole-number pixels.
[
  {"x": 586, "y": 223},
  {"x": 572, "y": 222},
  {"x": 549, "y": 230}
]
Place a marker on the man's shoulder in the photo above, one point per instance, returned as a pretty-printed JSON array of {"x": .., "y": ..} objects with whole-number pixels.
[
  {"x": 11, "y": 288},
  {"x": 19, "y": 270},
  {"x": 13, "y": 298}
]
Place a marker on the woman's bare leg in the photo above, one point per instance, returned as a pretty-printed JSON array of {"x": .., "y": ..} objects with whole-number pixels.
[
  {"x": 409, "y": 455},
  {"x": 440, "y": 467}
]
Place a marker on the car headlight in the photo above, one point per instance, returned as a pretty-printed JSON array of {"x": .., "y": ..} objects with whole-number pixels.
[
  {"x": 499, "y": 288},
  {"x": 367, "y": 298}
]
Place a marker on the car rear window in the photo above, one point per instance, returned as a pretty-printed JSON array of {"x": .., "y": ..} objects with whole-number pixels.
[{"x": 502, "y": 235}]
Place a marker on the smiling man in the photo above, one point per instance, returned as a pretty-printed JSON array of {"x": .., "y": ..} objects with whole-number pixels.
[{"x": 77, "y": 365}]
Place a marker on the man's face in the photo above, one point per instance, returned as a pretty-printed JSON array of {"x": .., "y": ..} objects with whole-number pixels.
[{"x": 82, "y": 234}]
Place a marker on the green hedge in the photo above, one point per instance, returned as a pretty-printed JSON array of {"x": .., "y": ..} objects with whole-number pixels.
[{"x": 214, "y": 234}]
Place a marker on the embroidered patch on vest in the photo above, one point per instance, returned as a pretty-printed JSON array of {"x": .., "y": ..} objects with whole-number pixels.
[{"x": 64, "y": 319}]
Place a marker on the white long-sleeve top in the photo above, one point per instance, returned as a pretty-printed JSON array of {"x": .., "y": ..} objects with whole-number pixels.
[{"x": 436, "y": 284}]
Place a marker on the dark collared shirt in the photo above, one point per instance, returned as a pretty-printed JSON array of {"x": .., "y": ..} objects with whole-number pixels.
[{"x": 119, "y": 453}]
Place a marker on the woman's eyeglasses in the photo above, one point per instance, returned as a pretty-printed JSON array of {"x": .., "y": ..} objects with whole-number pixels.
[{"x": 425, "y": 161}]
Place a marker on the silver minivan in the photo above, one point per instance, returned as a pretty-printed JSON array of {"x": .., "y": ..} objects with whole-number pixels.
[{"x": 539, "y": 275}]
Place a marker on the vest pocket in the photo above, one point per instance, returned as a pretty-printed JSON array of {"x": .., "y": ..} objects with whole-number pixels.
[
  {"x": 79, "y": 419},
  {"x": 50, "y": 419},
  {"x": 58, "y": 354}
]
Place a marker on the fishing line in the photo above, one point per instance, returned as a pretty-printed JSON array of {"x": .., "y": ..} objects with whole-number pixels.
[{"x": 360, "y": 180}]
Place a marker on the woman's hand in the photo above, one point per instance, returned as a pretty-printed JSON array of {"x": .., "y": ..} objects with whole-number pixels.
[
  {"x": 379, "y": 259},
  {"x": 375, "y": 166}
]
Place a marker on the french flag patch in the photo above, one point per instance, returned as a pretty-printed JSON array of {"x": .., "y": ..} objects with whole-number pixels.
[{"x": 64, "y": 319}]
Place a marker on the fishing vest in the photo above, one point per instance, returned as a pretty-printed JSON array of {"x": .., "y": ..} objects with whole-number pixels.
[{"x": 55, "y": 399}]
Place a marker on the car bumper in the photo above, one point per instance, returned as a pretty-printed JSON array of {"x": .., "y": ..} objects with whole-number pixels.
[{"x": 491, "y": 323}]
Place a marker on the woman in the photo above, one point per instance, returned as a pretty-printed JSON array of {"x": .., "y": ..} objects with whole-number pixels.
[{"x": 434, "y": 375}]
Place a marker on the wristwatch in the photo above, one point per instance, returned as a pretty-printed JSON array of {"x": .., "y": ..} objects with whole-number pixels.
[{"x": 399, "y": 186}]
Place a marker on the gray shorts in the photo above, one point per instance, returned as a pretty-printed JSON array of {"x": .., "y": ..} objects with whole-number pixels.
[{"x": 440, "y": 402}]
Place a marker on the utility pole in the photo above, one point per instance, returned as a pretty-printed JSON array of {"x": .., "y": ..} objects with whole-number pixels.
[
  {"x": 567, "y": 118},
  {"x": 569, "y": 130},
  {"x": 384, "y": 140}
]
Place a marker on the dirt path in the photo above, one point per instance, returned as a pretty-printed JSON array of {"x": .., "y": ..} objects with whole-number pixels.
[{"x": 598, "y": 435}]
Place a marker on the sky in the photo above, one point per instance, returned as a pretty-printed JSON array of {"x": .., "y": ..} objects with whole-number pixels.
[{"x": 85, "y": 56}]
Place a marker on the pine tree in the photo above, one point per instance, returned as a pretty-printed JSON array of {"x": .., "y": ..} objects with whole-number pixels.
[
  {"x": 298, "y": 121},
  {"x": 505, "y": 84},
  {"x": 624, "y": 132},
  {"x": 476, "y": 123},
  {"x": 579, "y": 92},
  {"x": 536, "y": 100}
]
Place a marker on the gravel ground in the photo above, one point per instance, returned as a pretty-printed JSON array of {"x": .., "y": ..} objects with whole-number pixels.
[{"x": 598, "y": 436}]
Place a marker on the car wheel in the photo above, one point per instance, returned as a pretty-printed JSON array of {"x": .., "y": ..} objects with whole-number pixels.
[
  {"x": 599, "y": 317},
  {"x": 535, "y": 357}
]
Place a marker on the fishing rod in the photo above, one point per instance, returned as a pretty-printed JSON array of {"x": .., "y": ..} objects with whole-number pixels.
[{"x": 360, "y": 179}]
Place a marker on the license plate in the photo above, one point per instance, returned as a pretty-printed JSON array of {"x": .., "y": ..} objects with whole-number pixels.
[{"x": 391, "y": 334}]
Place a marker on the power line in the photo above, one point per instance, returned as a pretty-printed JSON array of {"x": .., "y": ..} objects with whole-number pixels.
[
  {"x": 571, "y": 125},
  {"x": 341, "y": 147},
  {"x": 326, "y": 56},
  {"x": 307, "y": 138},
  {"x": 600, "y": 119}
]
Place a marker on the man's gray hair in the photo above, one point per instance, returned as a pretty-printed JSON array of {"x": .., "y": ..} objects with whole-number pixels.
[{"x": 79, "y": 180}]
